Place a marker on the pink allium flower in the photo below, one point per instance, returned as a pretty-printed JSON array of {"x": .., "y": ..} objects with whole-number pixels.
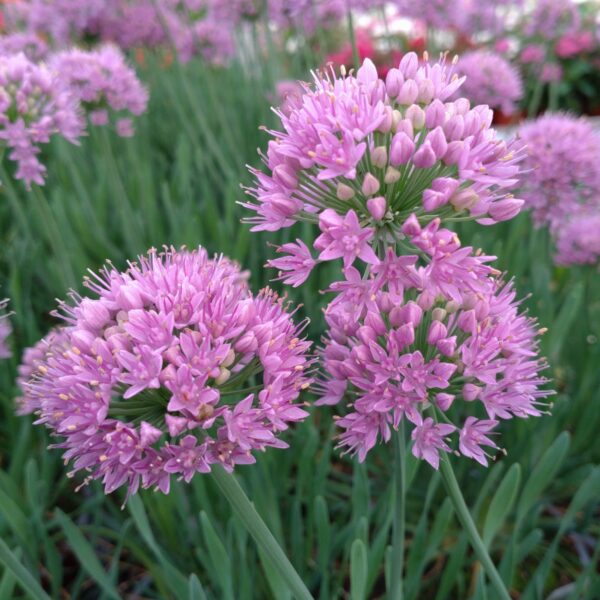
[
  {"x": 34, "y": 105},
  {"x": 552, "y": 18},
  {"x": 434, "y": 334},
  {"x": 578, "y": 239},
  {"x": 30, "y": 44},
  {"x": 533, "y": 53},
  {"x": 296, "y": 264},
  {"x": 491, "y": 80},
  {"x": 101, "y": 80},
  {"x": 173, "y": 367},
  {"x": 5, "y": 331},
  {"x": 564, "y": 158},
  {"x": 551, "y": 72},
  {"x": 356, "y": 148},
  {"x": 574, "y": 43}
]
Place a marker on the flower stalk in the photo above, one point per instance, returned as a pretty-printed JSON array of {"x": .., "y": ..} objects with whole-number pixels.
[
  {"x": 399, "y": 523},
  {"x": 259, "y": 531},
  {"x": 464, "y": 516}
]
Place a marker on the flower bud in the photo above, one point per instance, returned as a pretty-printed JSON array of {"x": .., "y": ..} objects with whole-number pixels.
[
  {"x": 366, "y": 335},
  {"x": 467, "y": 321},
  {"x": 438, "y": 142},
  {"x": 406, "y": 126},
  {"x": 401, "y": 149},
  {"x": 396, "y": 118},
  {"x": 454, "y": 128},
  {"x": 435, "y": 114},
  {"x": 409, "y": 92},
  {"x": 447, "y": 346},
  {"x": 503, "y": 210},
  {"x": 444, "y": 401},
  {"x": 344, "y": 192},
  {"x": 437, "y": 331},
  {"x": 374, "y": 320},
  {"x": 370, "y": 185},
  {"x": 425, "y": 157},
  {"x": 462, "y": 106},
  {"x": 409, "y": 313},
  {"x": 426, "y": 91},
  {"x": 285, "y": 175},
  {"x": 456, "y": 153},
  {"x": 393, "y": 81},
  {"x": 464, "y": 199},
  {"x": 391, "y": 175},
  {"x": 379, "y": 157},
  {"x": 404, "y": 335},
  {"x": 416, "y": 115},
  {"x": 377, "y": 207},
  {"x": 411, "y": 226},
  {"x": 470, "y": 392},
  {"x": 409, "y": 64},
  {"x": 438, "y": 314},
  {"x": 425, "y": 300},
  {"x": 388, "y": 121}
]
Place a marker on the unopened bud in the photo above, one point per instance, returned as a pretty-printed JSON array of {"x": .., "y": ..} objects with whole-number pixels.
[
  {"x": 370, "y": 185},
  {"x": 344, "y": 192},
  {"x": 377, "y": 207},
  {"x": 379, "y": 157}
]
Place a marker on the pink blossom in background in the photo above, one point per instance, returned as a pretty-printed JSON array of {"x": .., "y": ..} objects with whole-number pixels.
[
  {"x": 101, "y": 79},
  {"x": 34, "y": 105},
  {"x": 153, "y": 376},
  {"x": 490, "y": 79},
  {"x": 563, "y": 155},
  {"x": 578, "y": 239}
]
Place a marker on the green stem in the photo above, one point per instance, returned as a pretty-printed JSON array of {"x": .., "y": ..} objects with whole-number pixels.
[
  {"x": 399, "y": 523},
  {"x": 464, "y": 516},
  {"x": 536, "y": 98},
  {"x": 256, "y": 527},
  {"x": 355, "y": 56}
]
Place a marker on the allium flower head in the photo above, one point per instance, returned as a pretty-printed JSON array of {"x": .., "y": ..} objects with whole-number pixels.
[
  {"x": 102, "y": 81},
  {"x": 434, "y": 340},
  {"x": 373, "y": 152},
  {"x": 491, "y": 80},
  {"x": 578, "y": 239},
  {"x": 564, "y": 158},
  {"x": 34, "y": 47},
  {"x": 34, "y": 105},
  {"x": 173, "y": 367}
]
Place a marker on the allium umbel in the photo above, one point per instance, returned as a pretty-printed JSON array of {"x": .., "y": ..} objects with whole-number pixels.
[
  {"x": 435, "y": 340},
  {"x": 374, "y": 152},
  {"x": 173, "y": 367},
  {"x": 563, "y": 155},
  {"x": 34, "y": 106},
  {"x": 102, "y": 81},
  {"x": 491, "y": 80}
]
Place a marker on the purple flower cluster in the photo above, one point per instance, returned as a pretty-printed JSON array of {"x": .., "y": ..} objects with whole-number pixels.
[
  {"x": 578, "y": 241},
  {"x": 34, "y": 106},
  {"x": 175, "y": 366},
  {"x": 491, "y": 80},
  {"x": 563, "y": 155},
  {"x": 563, "y": 188},
  {"x": 357, "y": 155},
  {"x": 429, "y": 339},
  {"x": 30, "y": 44},
  {"x": 102, "y": 81}
]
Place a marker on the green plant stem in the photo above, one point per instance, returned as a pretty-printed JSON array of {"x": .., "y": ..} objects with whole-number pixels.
[
  {"x": 399, "y": 523},
  {"x": 464, "y": 516},
  {"x": 355, "y": 56},
  {"x": 257, "y": 528}
]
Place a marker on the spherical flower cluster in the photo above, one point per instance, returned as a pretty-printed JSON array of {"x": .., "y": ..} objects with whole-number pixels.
[
  {"x": 102, "y": 81},
  {"x": 434, "y": 340},
  {"x": 307, "y": 15},
  {"x": 175, "y": 366},
  {"x": 552, "y": 18},
  {"x": 34, "y": 47},
  {"x": 358, "y": 155},
  {"x": 564, "y": 160},
  {"x": 578, "y": 240},
  {"x": 491, "y": 80},
  {"x": 34, "y": 105}
]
